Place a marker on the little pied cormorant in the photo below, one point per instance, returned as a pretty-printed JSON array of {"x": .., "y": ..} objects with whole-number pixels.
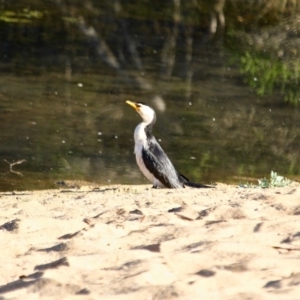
[{"x": 151, "y": 158}]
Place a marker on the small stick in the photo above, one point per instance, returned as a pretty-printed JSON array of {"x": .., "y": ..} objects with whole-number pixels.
[{"x": 15, "y": 163}]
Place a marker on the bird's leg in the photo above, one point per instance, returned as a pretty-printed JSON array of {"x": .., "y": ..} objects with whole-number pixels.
[{"x": 156, "y": 184}]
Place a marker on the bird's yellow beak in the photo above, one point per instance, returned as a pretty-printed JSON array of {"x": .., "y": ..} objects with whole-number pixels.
[{"x": 132, "y": 104}]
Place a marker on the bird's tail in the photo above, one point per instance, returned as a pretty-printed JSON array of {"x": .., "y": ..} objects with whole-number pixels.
[
  {"x": 186, "y": 182},
  {"x": 197, "y": 185}
]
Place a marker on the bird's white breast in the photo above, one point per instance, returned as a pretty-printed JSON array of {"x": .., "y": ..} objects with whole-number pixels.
[{"x": 140, "y": 139}]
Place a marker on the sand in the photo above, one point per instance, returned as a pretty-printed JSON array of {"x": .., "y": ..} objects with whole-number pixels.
[{"x": 134, "y": 242}]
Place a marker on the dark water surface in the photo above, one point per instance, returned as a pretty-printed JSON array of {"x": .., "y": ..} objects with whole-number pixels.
[{"x": 226, "y": 101}]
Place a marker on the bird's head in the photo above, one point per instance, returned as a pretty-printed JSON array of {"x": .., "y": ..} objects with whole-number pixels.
[{"x": 145, "y": 111}]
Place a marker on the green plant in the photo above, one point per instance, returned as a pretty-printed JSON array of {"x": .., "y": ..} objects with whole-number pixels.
[{"x": 274, "y": 181}]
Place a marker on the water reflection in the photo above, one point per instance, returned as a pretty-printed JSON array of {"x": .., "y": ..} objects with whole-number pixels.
[
  {"x": 272, "y": 65},
  {"x": 63, "y": 92}
]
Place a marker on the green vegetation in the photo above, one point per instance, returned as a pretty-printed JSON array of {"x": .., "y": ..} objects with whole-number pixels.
[
  {"x": 274, "y": 181},
  {"x": 23, "y": 16}
]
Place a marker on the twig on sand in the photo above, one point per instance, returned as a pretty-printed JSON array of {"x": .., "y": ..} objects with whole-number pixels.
[{"x": 15, "y": 163}]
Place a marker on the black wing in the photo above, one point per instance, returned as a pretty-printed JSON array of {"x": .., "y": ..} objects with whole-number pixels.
[{"x": 158, "y": 163}]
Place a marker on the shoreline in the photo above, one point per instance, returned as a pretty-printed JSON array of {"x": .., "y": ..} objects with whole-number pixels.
[{"x": 134, "y": 242}]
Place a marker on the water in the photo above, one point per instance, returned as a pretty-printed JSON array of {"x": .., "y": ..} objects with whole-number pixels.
[{"x": 62, "y": 100}]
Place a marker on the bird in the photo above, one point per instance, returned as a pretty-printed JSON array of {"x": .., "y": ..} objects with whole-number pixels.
[{"x": 151, "y": 158}]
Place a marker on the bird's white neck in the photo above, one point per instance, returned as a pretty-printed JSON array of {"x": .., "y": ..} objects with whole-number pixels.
[
  {"x": 140, "y": 136},
  {"x": 144, "y": 128},
  {"x": 148, "y": 115}
]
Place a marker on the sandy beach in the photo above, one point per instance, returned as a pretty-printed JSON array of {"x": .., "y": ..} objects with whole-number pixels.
[{"x": 134, "y": 242}]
